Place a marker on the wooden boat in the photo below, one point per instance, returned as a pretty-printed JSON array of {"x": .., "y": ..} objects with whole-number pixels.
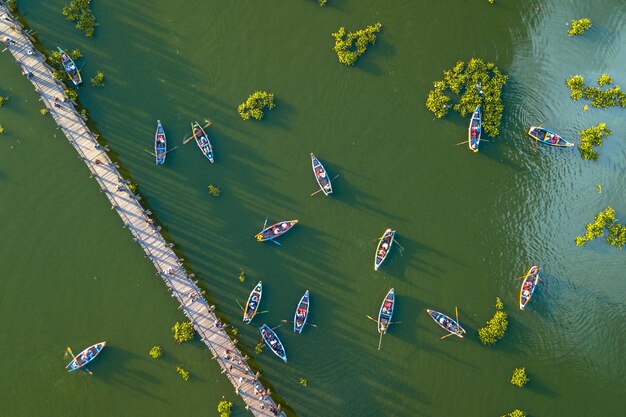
[
  {"x": 474, "y": 131},
  {"x": 548, "y": 137},
  {"x": 528, "y": 286},
  {"x": 252, "y": 305},
  {"x": 447, "y": 323},
  {"x": 321, "y": 176},
  {"x": 271, "y": 339},
  {"x": 382, "y": 250},
  {"x": 386, "y": 311},
  {"x": 302, "y": 313},
  {"x": 70, "y": 67},
  {"x": 86, "y": 356},
  {"x": 160, "y": 144},
  {"x": 275, "y": 230},
  {"x": 202, "y": 140}
]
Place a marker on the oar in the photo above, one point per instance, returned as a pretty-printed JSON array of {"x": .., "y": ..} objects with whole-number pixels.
[
  {"x": 401, "y": 247},
  {"x": 150, "y": 152},
  {"x": 186, "y": 140},
  {"x": 448, "y": 335},
  {"x": 74, "y": 357},
  {"x": 371, "y": 318},
  {"x": 395, "y": 322},
  {"x": 461, "y": 143},
  {"x": 170, "y": 150},
  {"x": 280, "y": 325},
  {"x": 321, "y": 189},
  {"x": 380, "y": 341},
  {"x": 274, "y": 241},
  {"x": 239, "y": 304},
  {"x": 262, "y": 312},
  {"x": 264, "y": 224}
]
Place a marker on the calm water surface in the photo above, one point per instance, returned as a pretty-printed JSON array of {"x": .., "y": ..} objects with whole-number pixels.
[{"x": 468, "y": 223}]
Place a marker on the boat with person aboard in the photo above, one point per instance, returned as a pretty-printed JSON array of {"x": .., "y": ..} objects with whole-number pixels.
[
  {"x": 70, "y": 67},
  {"x": 202, "y": 140},
  {"x": 547, "y": 137},
  {"x": 252, "y": 305},
  {"x": 447, "y": 323},
  {"x": 160, "y": 144},
  {"x": 84, "y": 357},
  {"x": 386, "y": 311},
  {"x": 474, "y": 130},
  {"x": 302, "y": 313},
  {"x": 275, "y": 230},
  {"x": 528, "y": 286},
  {"x": 321, "y": 176},
  {"x": 271, "y": 339},
  {"x": 382, "y": 250}
]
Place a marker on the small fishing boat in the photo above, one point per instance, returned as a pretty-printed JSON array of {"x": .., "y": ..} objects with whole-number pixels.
[
  {"x": 271, "y": 339},
  {"x": 254, "y": 299},
  {"x": 70, "y": 67},
  {"x": 86, "y": 356},
  {"x": 528, "y": 286},
  {"x": 447, "y": 323},
  {"x": 202, "y": 140},
  {"x": 160, "y": 144},
  {"x": 548, "y": 137},
  {"x": 321, "y": 176},
  {"x": 474, "y": 130},
  {"x": 302, "y": 313},
  {"x": 382, "y": 250},
  {"x": 275, "y": 230},
  {"x": 386, "y": 311}
]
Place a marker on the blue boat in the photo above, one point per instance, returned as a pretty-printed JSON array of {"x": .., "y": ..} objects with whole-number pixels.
[
  {"x": 382, "y": 250},
  {"x": 386, "y": 312},
  {"x": 274, "y": 343},
  {"x": 474, "y": 130},
  {"x": 84, "y": 357},
  {"x": 321, "y": 176},
  {"x": 447, "y": 323},
  {"x": 302, "y": 313},
  {"x": 252, "y": 306},
  {"x": 547, "y": 137},
  {"x": 202, "y": 140},
  {"x": 160, "y": 144},
  {"x": 70, "y": 67}
]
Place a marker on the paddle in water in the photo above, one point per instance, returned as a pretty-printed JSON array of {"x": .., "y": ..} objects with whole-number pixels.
[{"x": 312, "y": 194}]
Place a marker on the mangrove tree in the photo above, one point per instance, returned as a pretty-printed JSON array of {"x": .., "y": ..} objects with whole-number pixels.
[
  {"x": 79, "y": 11},
  {"x": 350, "y": 46},
  {"x": 610, "y": 96},
  {"x": 495, "y": 328},
  {"x": 590, "y": 138},
  {"x": 254, "y": 105},
  {"x": 605, "y": 222}
]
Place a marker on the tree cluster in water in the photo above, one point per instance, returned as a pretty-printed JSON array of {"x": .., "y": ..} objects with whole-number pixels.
[
  {"x": 223, "y": 407},
  {"x": 579, "y": 27},
  {"x": 515, "y": 413},
  {"x": 609, "y": 97},
  {"x": 604, "y": 222},
  {"x": 254, "y": 105},
  {"x": 476, "y": 83},
  {"x": 496, "y": 326},
  {"x": 98, "y": 79},
  {"x": 589, "y": 138},
  {"x": 79, "y": 11},
  {"x": 519, "y": 377},
  {"x": 184, "y": 374},
  {"x": 350, "y": 46},
  {"x": 156, "y": 352},
  {"x": 183, "y": 331}
]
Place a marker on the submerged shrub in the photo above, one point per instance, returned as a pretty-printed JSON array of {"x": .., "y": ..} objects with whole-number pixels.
[
  {"x": 601, "y": 98},
  {"x": 71, "y": 94},
  {"x": 476, "y": 83},
  {"x": 79, "y": 11},
  {"x": 183, "y": 372},
  {"x": 579, "y": 27},
  {"x": 156, "y": 352},
  {"x": 604, "y": 222},
  {"x": 183, "y": 331},
  {"x": 3, "y": 100},
  {"x": 495, "y": 328},
  {"x": 214, "y": 191},
  {"x": 1, "y": 130},
  {"x": 223, "y": 407},
  {"x": 590, "y": 138},
  {"x": 98, "y": 79},
  {"x": 350, "y": 46},
  {"x": 519, "y": 377},
  {"x": 254, "y": 105},
  {"x": 515, "y": 413}
]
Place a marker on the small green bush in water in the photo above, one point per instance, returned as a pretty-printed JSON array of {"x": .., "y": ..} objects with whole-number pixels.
[
  {"x": 496, "y": 326},
  {"x": 466, "y": 80},
  {"x": 579, "y": 27},
  {"x": 242, "y": 276},
  {"x": 60, "y": 75},
  {"x": 79, "y": 11},
  {"x": 183, "y": 331},
  {"x": 1, "y": 130},
  {"x": 84, "y": 113},
  {"x": 156, "y": 352},
  {"x": 254, "y": 105},
  {"x": 54, "y": 58},
  {"x": 259, "y": 347},
  {"x": 515, "y": 413},
  {"x": 184, "y": 374},
  {"x": 71, "y": 94},
  {"x": 43, "y": 112},
  {"x": 303, "y": 382},
  {"x": 519, "y": 377},
  {"x": 234, "y": 331},
  {"x": 3, "y": 100},
  {"x": 76, "y": 54},
  {"x": 350, "y": 46},
  {"x": 12, "y": 5},
  {"x": 590, "y": 138},
  {"x": 604, "y": 222},
  {"x": 214, "y": 191},
  {"x": 98, "y": 79},
  {"x": 223, "y": 407},
  {"x": 611, "y": 96}
]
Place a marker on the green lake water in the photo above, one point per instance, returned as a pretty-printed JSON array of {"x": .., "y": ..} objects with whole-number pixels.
[{"x": 468, "y": 223}]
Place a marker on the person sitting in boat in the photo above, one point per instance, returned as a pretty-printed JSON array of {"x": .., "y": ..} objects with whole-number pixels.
[
  {"x": 320, "y": 173},
  {"x": 383, "y": 327},
  {"x": 555, "y": 139}
]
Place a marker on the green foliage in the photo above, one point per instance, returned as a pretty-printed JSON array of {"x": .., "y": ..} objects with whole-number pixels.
[
  {"x": 589, "y": 138},
  {"x": 579, "y": 27},
  {"x": 223, "y": 407},
  {"x": 54, "y": 58},
  {"x": 609, "y": 97},
  {"x": 242, "y": 276},
  {"x": 1, "y": 130},
  {"x": 71, "y": 94},
  {"x": 491, "y": 1},
  {"x": 515, "y": 413},
  {"x": 463, "y": 80},
  {"x": 604, "y": 222},
  {"x": 350, "y": 46},
  {"x": 259, "y": 347},
  {"x": 519, "y": 377},
  {"x": 254, "y": 105},
  {"x": 3, "y": 100},
  {"x": 132, "y": 187},
  {"x": 75, "y": 54},
  {"x": 98, "y": 79},
  {"x": 12, "y": 5},
  {"x": 43, "y": 111},
  {"x": 60, "y": 75},
  {"x": 495, "y": 328},
  {"x": 322, "y": 2},
  {"x": 303, "y": 382},
  {"x": 156, "y": 352},
  {"x": 79, "y": 11},
  {"x": 234, "y": 331},
  {"x": 84, "y": 114},
  {"x": 214, "y": 191},
  {"x": 183, "y": 331},
  {"x": 184, "y": 374}
]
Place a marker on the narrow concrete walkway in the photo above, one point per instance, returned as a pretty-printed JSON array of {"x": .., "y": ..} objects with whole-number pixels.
[{"x": 135, "y": 218}]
